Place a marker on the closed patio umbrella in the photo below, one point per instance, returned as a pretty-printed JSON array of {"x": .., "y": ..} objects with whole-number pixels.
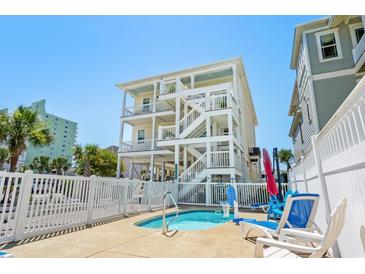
[{"x": 270, "y": 181}]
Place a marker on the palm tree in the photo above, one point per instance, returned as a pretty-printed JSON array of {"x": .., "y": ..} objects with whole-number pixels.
[
  {"x": 60, "y": 164},
  {"x": 44, "y": 164},
  {"x": 66, "y": 166},
  {"x": 21, "y": 128},
  {"x": 41, "y": 164},
  {"x": 84, "y": 156},
  {"x": 4, "y": 154},
  {"x": 285, "y": 155}
]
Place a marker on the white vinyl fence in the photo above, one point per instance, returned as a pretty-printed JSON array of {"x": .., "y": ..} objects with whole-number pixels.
[
  {"x": 33, "y": 204},
  {"x": 212, "y": 194},
  {"x": 335, "y": 167}
]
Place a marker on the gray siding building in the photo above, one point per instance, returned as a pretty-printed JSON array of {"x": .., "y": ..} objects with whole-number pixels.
[{"x": 328, "y": 56}]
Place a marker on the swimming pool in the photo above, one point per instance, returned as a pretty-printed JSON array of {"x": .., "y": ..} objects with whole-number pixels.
[{"x": 189, "y": 220}]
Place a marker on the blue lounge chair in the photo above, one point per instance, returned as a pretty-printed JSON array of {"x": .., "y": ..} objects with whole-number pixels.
[
  {"x": 298, "y": 213},
  {"x": 275, "y": 210},
  {"x": 5, "y": 255}
]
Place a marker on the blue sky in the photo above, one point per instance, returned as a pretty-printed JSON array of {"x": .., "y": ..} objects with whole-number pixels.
[{"x": 75, "y": 62}]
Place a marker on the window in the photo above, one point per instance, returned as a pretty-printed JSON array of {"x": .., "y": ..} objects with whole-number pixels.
[
  {"x": 140, "y": 136},
  {"x": 357, "y": 31},
  {"x": 301, "y": 133},
  {"x": 328, "y": 44},
  {"x": 146, "y": 104}
]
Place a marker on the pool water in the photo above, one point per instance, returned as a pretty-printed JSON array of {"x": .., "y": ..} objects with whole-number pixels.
[{"x": 189, "y": 220}]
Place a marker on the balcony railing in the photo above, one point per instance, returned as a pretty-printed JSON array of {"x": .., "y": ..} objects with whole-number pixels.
[
  {"x": 220, "y": 159},
  {"x": 144, "y": 145},
  {"x": 166, "y": 132},
  {"x": 145, "y": 108}
]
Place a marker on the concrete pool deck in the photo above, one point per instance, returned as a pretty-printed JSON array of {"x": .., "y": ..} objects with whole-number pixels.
[{"x": 123, "y": 239}]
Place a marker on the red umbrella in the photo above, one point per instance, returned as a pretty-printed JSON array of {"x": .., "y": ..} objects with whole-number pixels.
[{"x": 270, "y": 181}]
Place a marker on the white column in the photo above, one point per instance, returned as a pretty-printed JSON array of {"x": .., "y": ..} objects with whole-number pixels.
[
  {"x": 176, "y": 162},
  {"x": 177, "y": 116},
  {"x": 192, "y": 80},
  {"x": 185, "y": 155},
  {"x": 230, "y": 123},
  {"x": 154, "y": 99},
  {"x": 363, "y": 19},
  {"x": 121, "y": 131},
  {"x": 231, "y": 146},
  {"x": 118, "y": 166},
  {"x": 153, "y": 132},
  {"x": 208, "y": 190},
  {"x": 123, "y": 102},
  {"x": 152, "y": 167},
  {"x": 209, "y": 134},
  {"x": 163, "y": 171}
]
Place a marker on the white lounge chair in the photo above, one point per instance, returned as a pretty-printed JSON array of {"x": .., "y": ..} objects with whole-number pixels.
[
  {"x": 298, "y": 213},
  {"x": 281, "y": 249}
]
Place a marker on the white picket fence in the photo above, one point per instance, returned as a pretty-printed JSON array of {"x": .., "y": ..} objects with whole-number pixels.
[
  {"x": 33, "y": 204},
  {"x": 335, "y": 167},
  {"x": 213, "y": 194}
]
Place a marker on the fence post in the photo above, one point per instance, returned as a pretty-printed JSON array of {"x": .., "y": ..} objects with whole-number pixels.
[
  {"x": 90, "y": 205},
  {"x": 322, "y": 180},
  {"x": 304, "y": 175},
  {"x": 23, "y": 204}
]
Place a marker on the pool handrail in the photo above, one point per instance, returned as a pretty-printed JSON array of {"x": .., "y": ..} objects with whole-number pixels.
[{"x": 165, "y": 225}]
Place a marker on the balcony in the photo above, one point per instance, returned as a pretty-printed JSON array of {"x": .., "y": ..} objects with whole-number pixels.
[
  {"x": 254, "y": 152},
  {"x": 145, "y": 109},
  {"x": 166, "y": 132},
  {"x": 132, "y": 146}
]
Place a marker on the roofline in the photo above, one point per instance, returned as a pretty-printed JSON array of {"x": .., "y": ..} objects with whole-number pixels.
[
  {"x": 133, "y": 83},
  {"x": 298, "y": 37}
]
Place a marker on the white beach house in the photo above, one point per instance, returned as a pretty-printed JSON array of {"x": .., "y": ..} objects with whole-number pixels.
[{"x": 192, "y": 125}]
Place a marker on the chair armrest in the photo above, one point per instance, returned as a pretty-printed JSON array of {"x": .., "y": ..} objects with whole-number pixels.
[
  {"x": 260, "y": 242},
  {"x": 301, "y": 233}
]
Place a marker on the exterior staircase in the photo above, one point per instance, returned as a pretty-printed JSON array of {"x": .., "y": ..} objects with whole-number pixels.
[
  {"x": 196, "y": 173},
  {"x": 193, "y": 119}
]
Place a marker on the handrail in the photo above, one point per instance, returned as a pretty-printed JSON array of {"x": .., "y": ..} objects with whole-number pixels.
[
  {"x": 194, "y": 167},
  {"x": 165, "y": 225}
]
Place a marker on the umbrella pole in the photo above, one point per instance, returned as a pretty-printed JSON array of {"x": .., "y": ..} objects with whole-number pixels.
[{"x": 276, "y": 159}]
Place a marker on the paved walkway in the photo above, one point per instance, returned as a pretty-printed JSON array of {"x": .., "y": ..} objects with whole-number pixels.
[{"x": 122, "y": 239}]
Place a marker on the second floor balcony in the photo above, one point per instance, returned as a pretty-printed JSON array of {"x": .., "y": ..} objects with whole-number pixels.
[
  {"x": 141, "y": 145},
  {"x": 145, "y": 109}
]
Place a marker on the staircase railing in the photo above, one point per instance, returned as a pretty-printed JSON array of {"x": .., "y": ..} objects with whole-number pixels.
[
  {"x": 194, "y": 170},
  {"x": 188, "y": 119}
]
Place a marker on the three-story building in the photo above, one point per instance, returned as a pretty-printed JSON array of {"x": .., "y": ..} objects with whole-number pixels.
[{"x": 193, "y": 125}]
